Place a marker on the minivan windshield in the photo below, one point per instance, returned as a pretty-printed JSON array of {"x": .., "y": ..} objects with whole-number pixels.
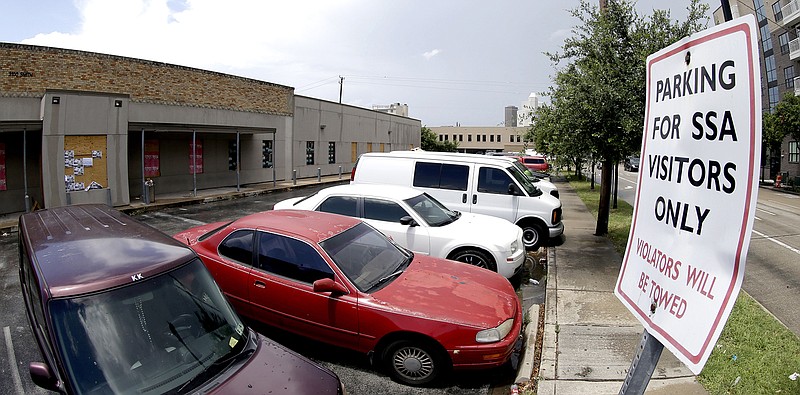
[
  {"x": 433, "y": 212},
  {"x": 150, "y": 337},
  {"x": 524, "y": 180}
]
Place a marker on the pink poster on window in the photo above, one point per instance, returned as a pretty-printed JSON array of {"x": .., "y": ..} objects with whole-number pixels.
[
  {"x": 2, "y": 167},
  {"x": 196, "y": 158},
  {"x": 152, "y": 159}
]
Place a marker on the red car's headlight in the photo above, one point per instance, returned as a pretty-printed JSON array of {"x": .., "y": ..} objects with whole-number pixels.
[{"x": 495, "y": 334}]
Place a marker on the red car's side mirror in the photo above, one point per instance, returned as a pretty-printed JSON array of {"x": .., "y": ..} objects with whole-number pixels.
[{"x": 328, "y": 285}]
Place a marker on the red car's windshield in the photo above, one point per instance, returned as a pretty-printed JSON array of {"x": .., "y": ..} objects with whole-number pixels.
[{"x": 366, "y": 256}]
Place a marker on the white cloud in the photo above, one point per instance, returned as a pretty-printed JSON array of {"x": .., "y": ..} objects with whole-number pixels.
[
  {"x": 428, "y": 55},
  {"x": 560, "y": 34},
  {"x": 229, "y": 35}
]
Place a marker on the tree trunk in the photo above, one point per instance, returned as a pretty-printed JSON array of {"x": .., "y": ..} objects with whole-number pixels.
[{"x": 605, "y": 198}]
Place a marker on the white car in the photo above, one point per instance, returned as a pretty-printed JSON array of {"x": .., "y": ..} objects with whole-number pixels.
[{"x": 417, "y": 221}]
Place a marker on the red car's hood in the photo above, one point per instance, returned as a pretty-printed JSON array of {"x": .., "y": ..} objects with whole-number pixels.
[
  {"x": 449, "y": 291},
  {"x": 274, "y": 369}
]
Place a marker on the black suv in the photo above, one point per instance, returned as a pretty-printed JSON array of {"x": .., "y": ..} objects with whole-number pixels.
[
  {"x": 631, "y": 163},
  {"x": 119, "y": 307}
]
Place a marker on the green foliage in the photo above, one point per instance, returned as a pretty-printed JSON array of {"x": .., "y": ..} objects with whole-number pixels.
[
  {"x": 755, "y": 354},
  {"x": 430, "y": 142},
  {"x": 598, "y": 97},
  {"x": 784, "y": 121}
]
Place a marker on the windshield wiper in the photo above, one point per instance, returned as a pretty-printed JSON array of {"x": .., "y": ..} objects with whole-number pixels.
[
  {"x": 385, "y": 279},
  {"x": 214, "y": 368}
]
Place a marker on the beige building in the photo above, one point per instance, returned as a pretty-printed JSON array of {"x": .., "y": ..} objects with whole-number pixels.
[
  {"x": 81, "y": 127},
  {"x": 480, "y": 139}
]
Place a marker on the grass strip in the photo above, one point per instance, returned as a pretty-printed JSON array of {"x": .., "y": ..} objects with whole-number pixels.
[{"x": 755, "y": 353}]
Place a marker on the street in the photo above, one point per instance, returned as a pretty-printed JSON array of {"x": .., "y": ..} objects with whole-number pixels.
[
  {"x": 772, "y": 271},
  {"x": 17, "y": 349}
]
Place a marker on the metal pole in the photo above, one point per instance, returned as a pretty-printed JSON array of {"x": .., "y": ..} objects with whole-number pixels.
[
  {"x": 616, "y": 184},
  {"x": 237, "y": 160},
  {"x": 642, "y": 366},
  {"x": 726, "y": 10},
  {"x": 194, "y": 163},
  {"x": 341, "y": 84},
  {"x": 294, "y": 177},
  {"x": 319, "y": 174},
  {"x": 145, "y": 192},
  {"x": 25, "y": 168},
  {"x": 340, "y": 172}
]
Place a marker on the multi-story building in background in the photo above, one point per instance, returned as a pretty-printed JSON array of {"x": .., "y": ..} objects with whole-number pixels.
[
  {"x": 511, "y": 116},
  {"x": 394, "y": 109},
  {"x": 527, "y": 110},
  {"x": 483, "y": 139},
  {"x": 779, "y": 51}
]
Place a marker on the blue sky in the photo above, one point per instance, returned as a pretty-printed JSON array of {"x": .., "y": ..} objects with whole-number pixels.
[{"x": 451, "y": 61}]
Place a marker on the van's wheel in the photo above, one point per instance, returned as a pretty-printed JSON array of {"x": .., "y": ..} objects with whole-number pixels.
[
  {"x": 475, "y": 258},
  {"x": 533, "y": 235},
  {"x": 413, "y": 363}
]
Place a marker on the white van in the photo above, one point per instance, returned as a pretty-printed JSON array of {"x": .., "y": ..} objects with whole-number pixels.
[
  {"x": 544, "y": 184},
  {"x": 469, "y": 183}
]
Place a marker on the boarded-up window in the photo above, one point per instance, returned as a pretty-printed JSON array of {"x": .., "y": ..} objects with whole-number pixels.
[{"x": 85, "y": 162}]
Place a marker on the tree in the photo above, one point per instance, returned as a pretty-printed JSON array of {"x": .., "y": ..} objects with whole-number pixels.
[
  {"x": 782, "y": 122},
  {"x": 599, "y": 92},
  {"x": 430, "y": 142}
]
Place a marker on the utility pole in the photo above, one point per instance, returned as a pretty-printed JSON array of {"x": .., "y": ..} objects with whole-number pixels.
[{"x": 341, "y": 84}]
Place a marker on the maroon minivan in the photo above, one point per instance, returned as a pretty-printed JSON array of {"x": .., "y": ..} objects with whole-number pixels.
[{"x": 119, "y": 307}]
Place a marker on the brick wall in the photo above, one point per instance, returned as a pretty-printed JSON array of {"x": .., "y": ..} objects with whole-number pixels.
[{"x": 27, "y": 71}]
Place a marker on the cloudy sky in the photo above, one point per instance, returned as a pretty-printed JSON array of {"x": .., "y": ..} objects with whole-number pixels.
[{"x": 451, "y": 61}]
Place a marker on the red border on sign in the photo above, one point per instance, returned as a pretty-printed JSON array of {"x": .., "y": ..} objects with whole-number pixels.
[{"x": 737, "y": 262}]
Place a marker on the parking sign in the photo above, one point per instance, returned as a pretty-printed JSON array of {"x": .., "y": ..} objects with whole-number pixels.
[{"x": 684, "y": 263}]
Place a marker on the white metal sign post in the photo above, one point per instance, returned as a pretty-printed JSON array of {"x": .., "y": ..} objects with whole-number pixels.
[{"x": 684, "y": 263}]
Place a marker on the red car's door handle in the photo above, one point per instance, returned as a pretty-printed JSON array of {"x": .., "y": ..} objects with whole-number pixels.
[{"x": 260, "y": 284}]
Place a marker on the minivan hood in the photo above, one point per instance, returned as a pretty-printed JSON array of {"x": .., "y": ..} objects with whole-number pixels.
[
  {"x": 275, "y": 369},
  {"x": 444, "y": 290}
]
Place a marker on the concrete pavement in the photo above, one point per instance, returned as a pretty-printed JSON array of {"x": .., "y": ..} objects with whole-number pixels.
[
  {"x": 590, "y": 338},
  {"x": 8, "y": 222}
]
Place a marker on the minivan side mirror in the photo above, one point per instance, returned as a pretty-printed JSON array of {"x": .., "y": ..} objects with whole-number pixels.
[
  {"x": 328, "y": 285},
  {"x": 407, "y": 220},
  {"x": 513, "y": 189},
  {"x": 43, "y": 376}
]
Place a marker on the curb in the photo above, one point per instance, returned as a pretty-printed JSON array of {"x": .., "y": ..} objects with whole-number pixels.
[{"x": 527, "y": 362}]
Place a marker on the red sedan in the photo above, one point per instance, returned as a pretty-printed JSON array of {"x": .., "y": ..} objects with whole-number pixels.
[
  {"x": 338, "y": 280},
  {"x": 535, "y": 163}
]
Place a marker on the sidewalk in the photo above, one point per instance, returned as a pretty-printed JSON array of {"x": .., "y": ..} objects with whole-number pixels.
[{"x": 590, "y": 338}]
